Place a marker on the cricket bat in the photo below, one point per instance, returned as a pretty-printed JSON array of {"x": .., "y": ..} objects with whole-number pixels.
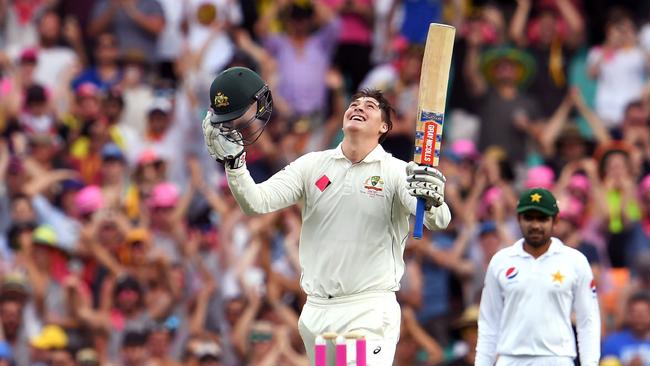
[{"x": 431, "y": 103}]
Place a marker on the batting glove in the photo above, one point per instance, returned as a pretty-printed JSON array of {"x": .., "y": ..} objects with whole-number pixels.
[
  {"x": 426, "y": 182},
  {"x": 222, "y": 144}
]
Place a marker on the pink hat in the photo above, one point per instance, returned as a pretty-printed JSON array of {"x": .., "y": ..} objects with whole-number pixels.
[
  {"x": 644, "y": 186},
  {"x": 540, "y": 177},
  {"x": 89, "y": 199},
  {"x": 489, "y": 197},
  {"x": 163, "y": 195},
  {"x": 579, "y": 182},
  {"x": 465, "y": 149},
  {"x": 571, "y": 210},
  {"x": 147, "y": 156}
]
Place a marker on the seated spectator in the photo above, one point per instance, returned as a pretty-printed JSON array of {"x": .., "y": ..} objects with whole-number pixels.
[
  {"x": 632, "y": 344},
  {"x": 468, "y": 327}
]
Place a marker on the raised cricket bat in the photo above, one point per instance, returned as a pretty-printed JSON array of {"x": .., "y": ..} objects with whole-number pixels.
[{"x": 431, "y": 103}]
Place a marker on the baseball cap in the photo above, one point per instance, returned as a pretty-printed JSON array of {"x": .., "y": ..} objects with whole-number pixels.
[
  {"x": 469, "y": 318},
  {"x": 465, "y": 149},
  {"x": 51, "y": 337},
  {"x": 87, "y": 90},
  {"x": 28, "y": 55},
  {"x": 87, "y": 356},
  {"x": 487, "y": 227},
  {"x": 579, "y": 182},
  {"x": 112, "y": 152},
  {"x": 45, "y": 234},
  {"x": 164, "y": 195},
  {"x": 160, "y": 105},
  {"x": 15, "y": 286},
  {"x": 89, "y": 199},
  {"x": 540, "y": 176},
  {"x": 139, "y": 234},
  {"x": 537, "y": 199}
]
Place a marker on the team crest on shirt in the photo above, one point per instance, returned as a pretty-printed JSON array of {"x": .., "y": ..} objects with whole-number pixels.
[
  {"x": 592, "y": 286},
  {"x": 511, "y": 273},
  {"x": 373, "y": 186}
]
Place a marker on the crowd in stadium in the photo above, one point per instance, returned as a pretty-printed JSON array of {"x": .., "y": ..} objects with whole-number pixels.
[{"x": 120, "y": 243}]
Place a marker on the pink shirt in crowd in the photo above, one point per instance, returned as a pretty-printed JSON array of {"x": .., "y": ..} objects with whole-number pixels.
[{"x": 354, "y": 29}]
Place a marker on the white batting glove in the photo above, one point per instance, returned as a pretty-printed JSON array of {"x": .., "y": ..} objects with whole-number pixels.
[
  {"x": 220, "y": 143},
  {"x": 426, "y": 182}
]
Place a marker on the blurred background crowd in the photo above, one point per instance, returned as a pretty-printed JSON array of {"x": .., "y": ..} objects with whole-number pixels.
[{"x": 120, "y": 243}]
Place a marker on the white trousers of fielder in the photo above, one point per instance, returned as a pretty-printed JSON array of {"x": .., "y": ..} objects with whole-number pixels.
[
  {"x": 534, "y": 361},
  {"x": 376, "y": 316}
]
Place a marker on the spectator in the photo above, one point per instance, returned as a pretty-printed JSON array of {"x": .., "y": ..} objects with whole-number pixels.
[
  {"x": 551, "y": 38},
  {"x": 105, "y": 73},
  {"x": 136, "y": 24},
  {"x": 355, "y": 40},
  {"x": 468, "y": 327},
  {"x": 508, "y": 116},
  {"x": 639, "y": 239},
  {"x": 631, "y": 345},
  {"x": 54, "y": 60},
  {"x": 619, "y": 67},
  {"x": 302, "y": 79}
]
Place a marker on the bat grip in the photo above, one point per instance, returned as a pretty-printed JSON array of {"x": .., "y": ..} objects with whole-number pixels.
[{"x": 419, "y": 219}]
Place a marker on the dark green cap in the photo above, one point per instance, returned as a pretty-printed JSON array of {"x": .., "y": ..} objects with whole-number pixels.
[
  {"x": 233, "y": 91},
  {"x": 537, "y": 199}
]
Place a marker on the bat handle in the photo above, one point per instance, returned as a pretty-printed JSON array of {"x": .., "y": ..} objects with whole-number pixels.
[{"x": 419, "y": 219}]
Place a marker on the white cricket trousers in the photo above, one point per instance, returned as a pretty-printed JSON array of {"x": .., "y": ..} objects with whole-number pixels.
[
  {"x": 534, "y": 361},
  {"x": 376, "y": 316}
]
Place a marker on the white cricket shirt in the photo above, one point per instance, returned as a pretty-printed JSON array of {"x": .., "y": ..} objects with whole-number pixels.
[
  {"x": 526, "y": 306},
  {"x": 354, "y": 217}
]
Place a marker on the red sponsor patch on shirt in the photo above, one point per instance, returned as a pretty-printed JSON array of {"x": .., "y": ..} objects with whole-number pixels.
[{"x": 323, "y": 182}]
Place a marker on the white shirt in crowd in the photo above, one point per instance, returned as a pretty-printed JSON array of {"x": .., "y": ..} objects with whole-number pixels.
[
  {"x": 355, "y": 218},
  {"x": 527, "y": 303},
  {"x": 220, "y": 49},
  {"x": 620, "y": 81}
]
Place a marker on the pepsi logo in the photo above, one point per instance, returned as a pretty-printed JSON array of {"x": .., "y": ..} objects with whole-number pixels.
[
  {"x": 511, "y": 273},
  {"x": 592, "y": 285}
]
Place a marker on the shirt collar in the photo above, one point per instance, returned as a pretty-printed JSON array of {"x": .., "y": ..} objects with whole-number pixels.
[
  {"x": 555, "y": 247},
  {"x": 377, "y": 154}
]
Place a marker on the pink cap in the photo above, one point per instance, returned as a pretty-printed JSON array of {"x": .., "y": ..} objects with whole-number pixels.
[
  {"x": 163, "y": 195},
  {"x": 491, "y": 195},
  {"x": 89, "y": 199},
  {"x": 644, "y": 186},
  {"x": 540, "y": 177},
  {"x": 579, "y": 182},
  {"x": 571, "y": 210},
  {"x": 148, "y": 156},
  {"x": 465, "y": 149},
  {"x": 87, "y": 90}
]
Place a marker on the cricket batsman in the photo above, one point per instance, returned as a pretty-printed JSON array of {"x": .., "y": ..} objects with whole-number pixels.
[{"x": 356, "y": 200}]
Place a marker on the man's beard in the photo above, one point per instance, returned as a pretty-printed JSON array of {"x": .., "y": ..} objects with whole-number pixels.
[{"x": 538, "y": 242}]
